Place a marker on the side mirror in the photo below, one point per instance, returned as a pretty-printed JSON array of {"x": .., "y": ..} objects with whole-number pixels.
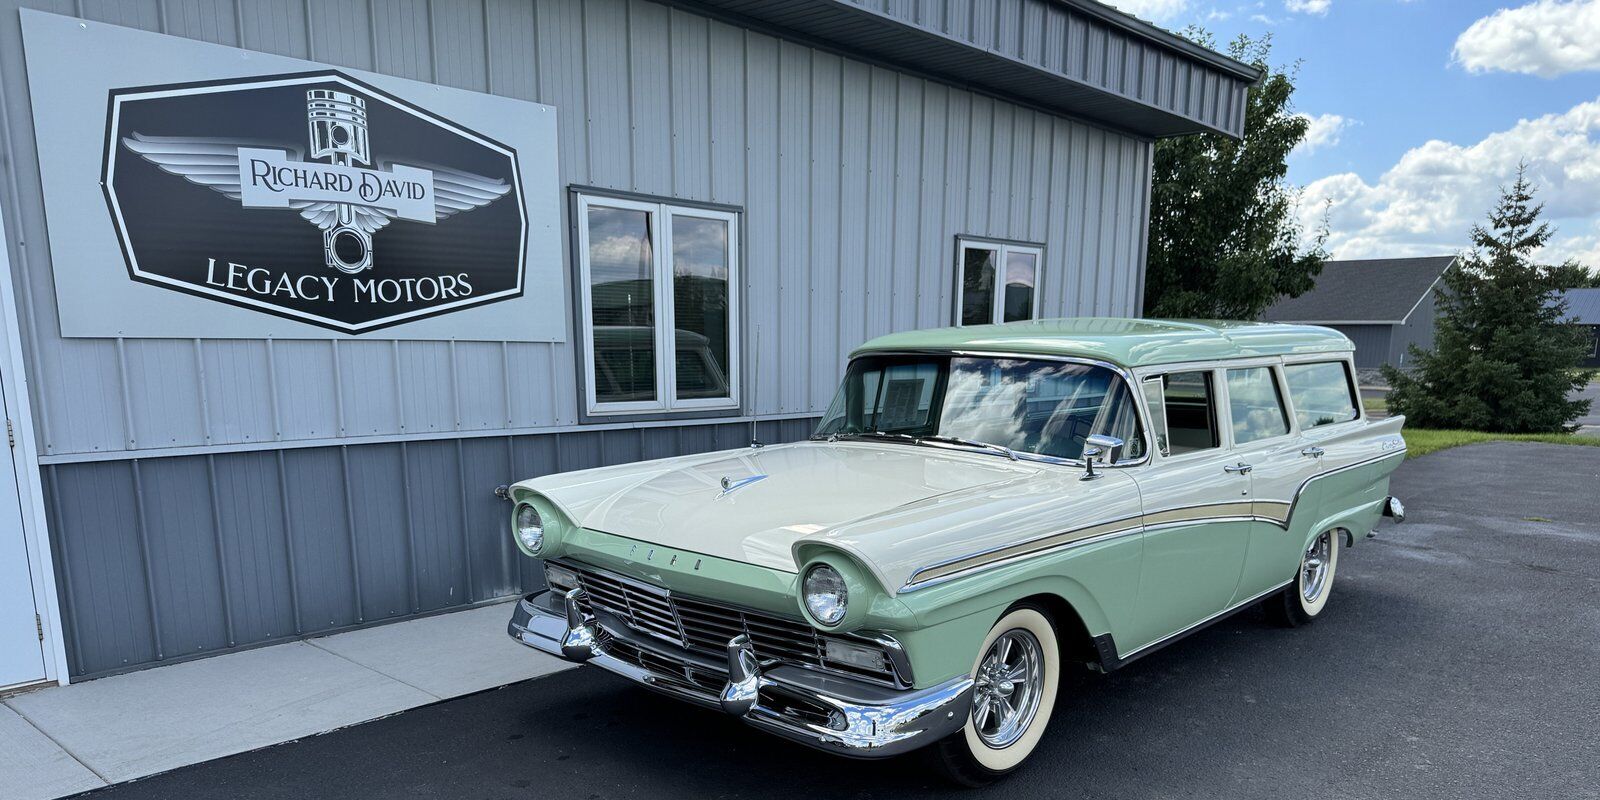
[{"x": 1102, "y": 448}]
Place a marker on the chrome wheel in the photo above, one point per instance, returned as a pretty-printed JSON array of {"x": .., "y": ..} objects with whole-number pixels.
[
  {"x": 1009, "y": 683},
  {"x": 1314, "y": 567}
]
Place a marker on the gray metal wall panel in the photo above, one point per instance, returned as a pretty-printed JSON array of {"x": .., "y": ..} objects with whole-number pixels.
[
  {"x": 192, "y": 555},
  {"x": 1372, "y": 343}
]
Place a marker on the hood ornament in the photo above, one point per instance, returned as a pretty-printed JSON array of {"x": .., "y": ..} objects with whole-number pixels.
[{"x": 730, "y": 485}]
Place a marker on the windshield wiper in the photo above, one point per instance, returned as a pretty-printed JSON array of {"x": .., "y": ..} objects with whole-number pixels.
[
  {"x": 894, "y": 437},
  {"x": 957, "y": 440}
]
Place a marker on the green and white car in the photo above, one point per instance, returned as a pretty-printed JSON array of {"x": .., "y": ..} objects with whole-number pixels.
[{"x": 980, "y": 509}]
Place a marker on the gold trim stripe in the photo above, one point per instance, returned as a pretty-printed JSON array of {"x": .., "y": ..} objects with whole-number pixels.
[{"x": 1021, "y": 549}]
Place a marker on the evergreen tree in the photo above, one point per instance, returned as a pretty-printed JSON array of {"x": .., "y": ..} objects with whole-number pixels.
[
  {"x": 1504, "y": 359},
  {"x": 1224, "y": 241}
]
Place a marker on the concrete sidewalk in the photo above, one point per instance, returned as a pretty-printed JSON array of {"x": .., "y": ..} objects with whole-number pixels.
[{"x": 62, "y": 740}]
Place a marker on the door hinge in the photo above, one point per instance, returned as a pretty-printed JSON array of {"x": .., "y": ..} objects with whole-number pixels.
[
  {"x": 11, "y": 435},
  {"x": 38, "y": 623}
]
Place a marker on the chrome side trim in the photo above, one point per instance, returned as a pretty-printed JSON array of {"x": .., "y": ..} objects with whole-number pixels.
[
  {"x": 1288, "y": 515},
  {"x": 1233, "y": 511},
  {"x": 1073, "y": 537}
]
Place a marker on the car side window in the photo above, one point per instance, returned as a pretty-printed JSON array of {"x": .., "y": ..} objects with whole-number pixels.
[
  {"x": 1255, "y": 405},
  {"x": 1321, "y": 393},
  {"x": 1189, "y": 412}
]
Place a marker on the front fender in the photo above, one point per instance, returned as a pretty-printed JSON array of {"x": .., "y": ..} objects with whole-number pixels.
[{"x": 1098, "y": 582}]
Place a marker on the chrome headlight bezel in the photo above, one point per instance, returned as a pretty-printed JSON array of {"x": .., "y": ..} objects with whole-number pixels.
[
  {"x": 529, "y": 532},
  {"x": 825, "y": 594}
]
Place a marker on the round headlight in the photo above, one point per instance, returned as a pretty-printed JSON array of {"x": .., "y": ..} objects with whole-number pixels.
[
  {"x": 530, "y": 528},
  {"x": 825, "y": 594}
]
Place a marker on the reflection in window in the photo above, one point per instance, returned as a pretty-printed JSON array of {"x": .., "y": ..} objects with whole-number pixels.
[
  {"x": 660, "y": 314},
  {"x": 622, "y": 292},
  {"x": 1321, "y": 393},
  {"x": 977, "y": 286},
  {"x": 981, "y": 265},
  {"x": 1254, "y": 403},
  {"x": 1022, "y": 270},
  {"x": 700, "y": 305},
  {"x": 1044, "y": 407}
]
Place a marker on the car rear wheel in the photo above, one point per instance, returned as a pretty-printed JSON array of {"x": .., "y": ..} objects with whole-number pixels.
[
  {"x": 1016, "y": 677},
  {"x": 1307, "y": 595}
]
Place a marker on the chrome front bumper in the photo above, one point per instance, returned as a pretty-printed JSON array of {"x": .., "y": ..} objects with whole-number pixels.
[{"x": 833, "y": 713}]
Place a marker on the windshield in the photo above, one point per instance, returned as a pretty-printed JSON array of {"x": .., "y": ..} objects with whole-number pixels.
[{"x": 1046, "y": 408}]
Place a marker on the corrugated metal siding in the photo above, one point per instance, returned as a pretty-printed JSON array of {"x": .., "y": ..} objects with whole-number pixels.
[
  {"x": 1047, "y": 52},
  {"x": 1418, "y": 330},
  {"x": 855, "y": 180},
  {"x": 153, "y": 567},
  {"x": 1372, "y": 343}
]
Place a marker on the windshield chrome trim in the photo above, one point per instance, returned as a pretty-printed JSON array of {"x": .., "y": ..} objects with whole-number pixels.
[{"x": 1118, "y": 369}]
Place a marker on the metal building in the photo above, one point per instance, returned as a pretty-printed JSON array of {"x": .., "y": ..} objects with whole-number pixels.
[
  {"x": 731, "y": 195},
  {"x": 1385, "y": 305}
]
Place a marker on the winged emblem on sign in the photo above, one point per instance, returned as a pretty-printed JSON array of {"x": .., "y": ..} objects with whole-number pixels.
[{"x": 348, "y": 203}]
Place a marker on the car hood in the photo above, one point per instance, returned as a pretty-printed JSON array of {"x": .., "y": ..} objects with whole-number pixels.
[{"x": 752, "y": 505}]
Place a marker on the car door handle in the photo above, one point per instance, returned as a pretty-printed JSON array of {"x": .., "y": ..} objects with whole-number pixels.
[
  {"x": 1240, "y": 468},
  {"x": 1312, "y": 452}
]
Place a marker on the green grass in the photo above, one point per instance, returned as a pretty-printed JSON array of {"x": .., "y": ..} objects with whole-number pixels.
[
  {"x": 1422, "y": 441},
  {"x": 1374, "y": 404}
]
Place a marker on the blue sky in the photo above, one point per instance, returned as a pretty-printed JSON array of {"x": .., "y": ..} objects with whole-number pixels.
[{"x": 1421, "y": 108}]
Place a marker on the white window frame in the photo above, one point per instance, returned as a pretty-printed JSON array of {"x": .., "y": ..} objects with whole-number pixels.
[
  {"x": 661, "y": 214},
  {"x": 1001, "y": 250}
]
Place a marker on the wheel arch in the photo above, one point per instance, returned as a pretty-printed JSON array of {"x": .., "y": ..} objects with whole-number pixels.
[{"x": 1072, "y": 635}]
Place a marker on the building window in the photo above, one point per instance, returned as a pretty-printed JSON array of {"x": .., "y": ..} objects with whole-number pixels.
[
  {"x": 980, "y": 264},
  {"x": 660, "y": 305}
]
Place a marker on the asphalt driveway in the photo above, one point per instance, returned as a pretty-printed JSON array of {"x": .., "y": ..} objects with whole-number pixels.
[{"x": 1457, "y": 660}]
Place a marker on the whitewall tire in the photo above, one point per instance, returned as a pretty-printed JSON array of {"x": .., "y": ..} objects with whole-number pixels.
[
  {"x": 1303, "y": 600},
  {"x": 1017, "y": 674}
]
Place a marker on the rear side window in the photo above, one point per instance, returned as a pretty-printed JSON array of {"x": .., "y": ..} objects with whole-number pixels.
[
  {"x": 1256, "y": 408},
  {"x": 1321, "y": 393}
]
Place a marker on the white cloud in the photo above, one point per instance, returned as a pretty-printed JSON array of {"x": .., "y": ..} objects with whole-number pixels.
[
  {"x": 1324, "y": 130},
  {"x": 1584, "y": 249},
  {"x": 1317, "y": 7},
  {"x": 1545, "y": 38},
  {"x": 1428, "y": 200},
  {"x": 1152, "y": 10}
]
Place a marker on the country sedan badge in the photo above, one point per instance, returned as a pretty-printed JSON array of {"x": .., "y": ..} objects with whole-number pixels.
[{"x": 228, "y": 174}]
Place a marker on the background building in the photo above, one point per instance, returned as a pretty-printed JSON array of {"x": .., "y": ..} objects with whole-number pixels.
[
  {"x": 731, "y": 196},
  {"x": 1384, "y": 305},
  {"x": 1583, "y": 308}
]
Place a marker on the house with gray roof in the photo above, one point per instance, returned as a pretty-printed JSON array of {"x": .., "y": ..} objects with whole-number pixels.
[
  {"x": 1583, "y": 307},
  {"x": 1383, "y": 304}
]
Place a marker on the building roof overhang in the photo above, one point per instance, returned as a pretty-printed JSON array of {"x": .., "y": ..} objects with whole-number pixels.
[{"x": 1076, "y": 58}]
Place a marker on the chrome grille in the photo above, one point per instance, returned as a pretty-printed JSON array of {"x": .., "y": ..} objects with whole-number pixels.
[{"x": 706, "y": 627}]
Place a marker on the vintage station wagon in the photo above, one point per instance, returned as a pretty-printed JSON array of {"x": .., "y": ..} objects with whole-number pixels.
[{"x": 981, "y": 508}]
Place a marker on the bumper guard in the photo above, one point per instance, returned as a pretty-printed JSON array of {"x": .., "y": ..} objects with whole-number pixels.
[{"x": 831, "y": 713}]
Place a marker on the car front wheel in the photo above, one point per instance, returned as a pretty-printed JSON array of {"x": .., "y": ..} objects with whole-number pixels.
[
  {"x": 1016, "y": 677},
  {"x": 1304, "y": 598}
]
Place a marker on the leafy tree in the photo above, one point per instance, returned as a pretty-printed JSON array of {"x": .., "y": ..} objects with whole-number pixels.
[
  {"x": 1504, "y": 359},
  {"x": 1224, "y": 242},
  {"x": 1573, "y": 275}
]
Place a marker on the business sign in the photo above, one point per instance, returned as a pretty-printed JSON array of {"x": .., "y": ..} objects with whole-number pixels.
[
  {"x": 316, "y": 197},
  {"x": 344, "y": 202}
]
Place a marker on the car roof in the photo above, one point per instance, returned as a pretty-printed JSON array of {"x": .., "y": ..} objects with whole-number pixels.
[{"x": 1130, "y": 343}]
